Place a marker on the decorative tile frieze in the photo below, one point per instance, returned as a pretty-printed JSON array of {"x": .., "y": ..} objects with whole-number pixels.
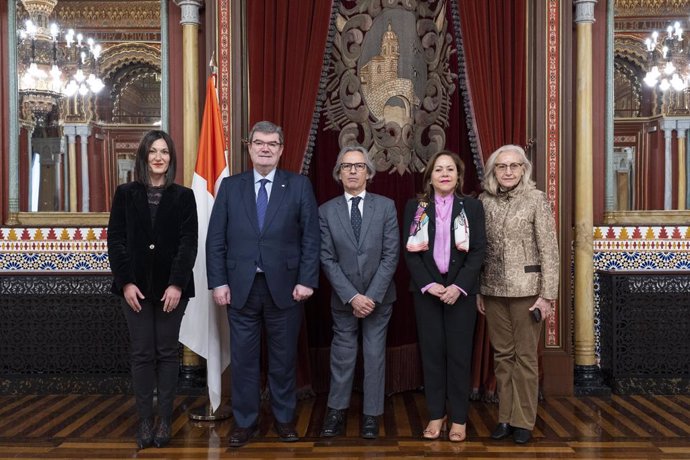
[
  {"x": 637, "y": 248},
  {"x": 54, "y": 249}
]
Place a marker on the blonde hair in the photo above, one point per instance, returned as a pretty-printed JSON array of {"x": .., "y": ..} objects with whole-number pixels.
[{"x": 490, "y": 182}]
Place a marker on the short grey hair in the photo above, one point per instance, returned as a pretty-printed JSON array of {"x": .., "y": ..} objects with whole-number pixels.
[
  {"x": 354, "y": 148},
  {"x": 266, "y": 127},
  {"x": 491, "y": 184}
]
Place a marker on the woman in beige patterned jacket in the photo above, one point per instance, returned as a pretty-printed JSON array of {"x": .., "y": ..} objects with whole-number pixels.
[{"x": 519, "y": 283}]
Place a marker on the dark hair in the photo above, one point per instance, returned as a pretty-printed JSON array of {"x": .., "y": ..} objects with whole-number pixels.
[
  {"x": 141, "y": 167},
  {"x": 266, "y": 127},
  {"x": 428, "y": 190}
]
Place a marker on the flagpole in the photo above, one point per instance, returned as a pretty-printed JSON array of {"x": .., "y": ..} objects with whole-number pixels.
[{"x": 207, "y": 175}]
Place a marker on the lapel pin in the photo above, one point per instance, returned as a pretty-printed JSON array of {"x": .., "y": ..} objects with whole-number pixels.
[{"x": 282, "y": 185}]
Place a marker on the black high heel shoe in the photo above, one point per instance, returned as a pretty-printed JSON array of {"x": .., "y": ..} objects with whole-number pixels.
[
  {"x": 163, "y": 432},
  {"x": 145, "y": 433}
]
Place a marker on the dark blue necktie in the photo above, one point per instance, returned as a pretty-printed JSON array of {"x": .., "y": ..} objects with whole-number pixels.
[
  {"x": 356, "y": 216},
  {"x": 262, "y": 203}
]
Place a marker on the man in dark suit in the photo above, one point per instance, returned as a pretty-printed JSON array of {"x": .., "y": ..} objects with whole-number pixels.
[
  {"x": 262, "y": 259},
  {"x": 360, "y": 247}
]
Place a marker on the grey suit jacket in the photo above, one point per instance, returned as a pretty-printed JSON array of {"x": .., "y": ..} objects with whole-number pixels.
[{"x": 365, "y": 267}]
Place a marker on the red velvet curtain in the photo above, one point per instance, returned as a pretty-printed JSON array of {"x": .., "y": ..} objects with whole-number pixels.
[
  {"x": 493, "y": 33},
  {"x": 286, "y": 41}
]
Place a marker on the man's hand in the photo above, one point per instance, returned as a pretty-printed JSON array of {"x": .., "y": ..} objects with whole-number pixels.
[
  {"x": 132, "y": 295},
  {"x": 362, "y": 306},
  {"x": 171, "y": 298},
  {"x": 221, "y": 295},
  {"x": 301, "y": 293}
]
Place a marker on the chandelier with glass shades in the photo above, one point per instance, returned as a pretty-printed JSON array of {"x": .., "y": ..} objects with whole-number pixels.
[
  {"x": 52, "y": 62},
  {"x": 668, "y": 60}
]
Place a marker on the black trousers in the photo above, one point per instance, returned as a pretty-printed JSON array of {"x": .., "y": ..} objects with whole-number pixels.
[
  {"x": 446, "y": 334},
  {"x": 153, "y": 337}
]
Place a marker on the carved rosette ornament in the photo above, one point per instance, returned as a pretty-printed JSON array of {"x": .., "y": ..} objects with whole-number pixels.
[{"x": 390, "y": 83}]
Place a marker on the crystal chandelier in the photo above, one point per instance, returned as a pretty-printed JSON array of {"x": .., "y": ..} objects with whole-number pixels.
[
  {"x": 668, "y": 65},
  {"x": 53, "y": 63}
]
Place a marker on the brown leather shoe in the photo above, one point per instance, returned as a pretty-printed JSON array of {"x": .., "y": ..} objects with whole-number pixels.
[
  {"x": 286, "y": 431},
  {"x": 241, "y": 436}
]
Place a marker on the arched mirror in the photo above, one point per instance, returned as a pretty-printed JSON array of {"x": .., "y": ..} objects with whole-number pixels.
[
  {"x": 87, "y": 81},
  {"x": 647, "y": 167}
]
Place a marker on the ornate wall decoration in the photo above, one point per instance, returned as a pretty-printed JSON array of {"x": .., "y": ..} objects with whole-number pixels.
[
  {"x": 636, "y": 248},
  {"x": 553, "y": 329},
  {"x": 390, "y": 83},
  {"x": 139, "y": 14},
  {"x": 56, "y": 249},
  {"x": 638, "y": 8}
]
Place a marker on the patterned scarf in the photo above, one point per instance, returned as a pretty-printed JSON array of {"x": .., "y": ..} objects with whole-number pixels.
[{"x": 418, "y": 240}]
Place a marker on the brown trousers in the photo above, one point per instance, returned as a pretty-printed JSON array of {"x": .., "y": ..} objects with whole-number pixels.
[{"x": 515, "y": 338}]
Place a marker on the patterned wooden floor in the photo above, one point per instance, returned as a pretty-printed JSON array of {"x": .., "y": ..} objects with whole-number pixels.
[{"x": 96, "y": 426}]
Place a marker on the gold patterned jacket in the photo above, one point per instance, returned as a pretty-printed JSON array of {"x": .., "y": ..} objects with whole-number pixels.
[{"x": 522, "y": 245}]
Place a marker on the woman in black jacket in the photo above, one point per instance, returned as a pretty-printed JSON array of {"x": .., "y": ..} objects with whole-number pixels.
[
  {"x": 152, "y": 245},
  {"x": 444, "y": 249}
]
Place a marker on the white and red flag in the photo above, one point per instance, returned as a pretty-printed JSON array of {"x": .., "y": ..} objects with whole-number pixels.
[{"x": 205, "y": 328}]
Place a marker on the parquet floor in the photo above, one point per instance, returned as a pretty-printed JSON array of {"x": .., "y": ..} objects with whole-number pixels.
[{"x": 103, "y": 426}]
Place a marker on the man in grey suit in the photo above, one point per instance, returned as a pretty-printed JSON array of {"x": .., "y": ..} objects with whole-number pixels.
[{"x": 360, "y": 247}]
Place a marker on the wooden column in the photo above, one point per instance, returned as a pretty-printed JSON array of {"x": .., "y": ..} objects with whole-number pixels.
[
  {"x": 587, "y": 373},
  {"x": 191, "y": 372},
  {"x": 190, "y": 83}
]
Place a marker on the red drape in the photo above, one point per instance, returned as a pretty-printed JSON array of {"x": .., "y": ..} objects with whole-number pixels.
[
  {"x": 493, "y": 34},
  {"x": 286, "y": 41}
]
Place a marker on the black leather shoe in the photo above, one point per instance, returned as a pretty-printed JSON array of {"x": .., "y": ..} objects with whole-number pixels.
[
  {"x": 241, "y": 436},
  {"x": 163, "y": 432},
  {"x": 502, "y": 430},
  {"x": 145, "y": 433},
  {"x": 370, "y": 427},
  {"x": 333, "y": 423},
  {"x": 286, "y": 431},
  {"x": 521, "y": 436}
]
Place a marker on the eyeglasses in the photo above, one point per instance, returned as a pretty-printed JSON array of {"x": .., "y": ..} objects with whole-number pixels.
[
  {"x": 271, "y": 145},
  {"x": 502, "y": 167},
  {"x": 348, "y": 166}
]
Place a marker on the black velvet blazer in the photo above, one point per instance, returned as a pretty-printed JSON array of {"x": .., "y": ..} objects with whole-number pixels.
[{"x": 153, "y": 258}]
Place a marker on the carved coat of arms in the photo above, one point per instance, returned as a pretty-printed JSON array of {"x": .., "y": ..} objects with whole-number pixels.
[{"x": 390, "y": 82}]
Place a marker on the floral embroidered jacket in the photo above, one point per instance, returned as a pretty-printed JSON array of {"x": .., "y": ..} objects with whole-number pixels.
[{"x": 522, "y": 246}]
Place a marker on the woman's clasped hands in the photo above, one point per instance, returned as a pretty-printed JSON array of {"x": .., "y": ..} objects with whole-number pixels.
[{"x": 447, "y": 294}]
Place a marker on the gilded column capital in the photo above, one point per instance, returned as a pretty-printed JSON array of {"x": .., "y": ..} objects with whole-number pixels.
[
  {"x": 190, "y": 11},
  {"x": 584, "y": 11}
]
